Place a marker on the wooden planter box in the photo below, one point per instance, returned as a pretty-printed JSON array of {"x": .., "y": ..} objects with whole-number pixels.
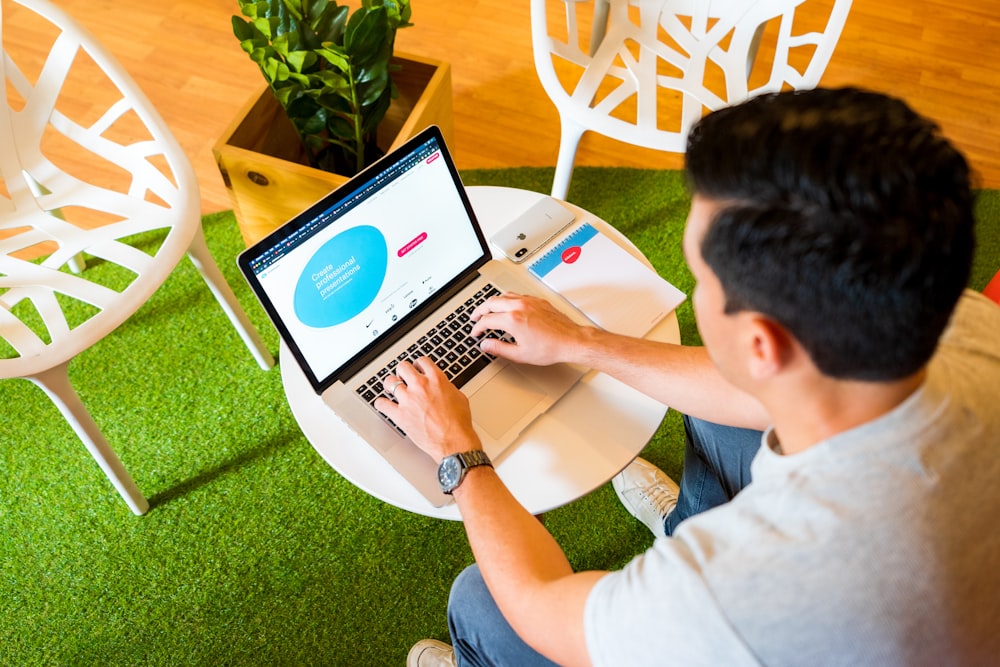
[{"x": 264, "y": 166}]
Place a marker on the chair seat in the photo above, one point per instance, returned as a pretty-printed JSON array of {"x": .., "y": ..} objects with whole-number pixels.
[
  {"x": 46, "y": 286},
  {"x": 122, "y": 196}
]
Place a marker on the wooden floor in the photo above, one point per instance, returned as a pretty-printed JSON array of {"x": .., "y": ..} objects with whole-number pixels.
[{"x": 943, "y": 56}]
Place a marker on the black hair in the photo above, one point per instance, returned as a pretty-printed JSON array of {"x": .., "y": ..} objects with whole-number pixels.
[{"x": 844, "y": 216}]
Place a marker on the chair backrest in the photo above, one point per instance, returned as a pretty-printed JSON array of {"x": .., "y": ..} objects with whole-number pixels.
[
  {"x": 615, "y": 69},
  {"x": 86, "y": 165}
]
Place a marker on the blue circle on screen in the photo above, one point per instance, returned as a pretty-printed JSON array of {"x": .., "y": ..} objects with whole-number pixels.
[{"x": 342, "y": 278}]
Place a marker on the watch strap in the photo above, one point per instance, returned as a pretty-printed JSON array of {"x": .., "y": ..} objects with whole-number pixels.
[{"x": 473, "y": 458}]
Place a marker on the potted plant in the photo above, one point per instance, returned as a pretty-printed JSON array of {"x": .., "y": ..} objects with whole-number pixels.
[{"x": 336, "y": 99}]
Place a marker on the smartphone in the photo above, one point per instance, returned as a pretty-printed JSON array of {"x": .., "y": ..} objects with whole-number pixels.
[{"x": 532, "y": 229}]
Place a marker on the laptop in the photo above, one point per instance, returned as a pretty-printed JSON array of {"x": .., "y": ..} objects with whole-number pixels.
[{"x": 388, "y": 267}]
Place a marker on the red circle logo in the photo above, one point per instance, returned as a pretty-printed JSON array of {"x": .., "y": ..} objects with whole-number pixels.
[{"x": 571, "y": 254}]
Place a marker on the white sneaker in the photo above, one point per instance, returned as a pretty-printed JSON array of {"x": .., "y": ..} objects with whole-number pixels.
[
  {"x": 430, "y": 653},
  {"x": 647, "y": 493}
]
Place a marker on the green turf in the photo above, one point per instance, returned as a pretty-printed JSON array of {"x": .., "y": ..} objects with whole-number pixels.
[{"x": 255, "y": 551}]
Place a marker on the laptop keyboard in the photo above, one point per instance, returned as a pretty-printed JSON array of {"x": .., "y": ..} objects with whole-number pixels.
[{"x": 449, "y": 344}]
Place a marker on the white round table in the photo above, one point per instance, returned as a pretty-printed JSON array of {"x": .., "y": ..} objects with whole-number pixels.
[{"x": 585, "y": 439}]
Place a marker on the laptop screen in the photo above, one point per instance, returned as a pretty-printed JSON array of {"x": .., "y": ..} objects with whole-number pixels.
[{"x": 350, "y": 274}]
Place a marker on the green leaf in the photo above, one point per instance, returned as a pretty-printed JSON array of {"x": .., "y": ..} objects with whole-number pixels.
[
  {"x": 248, "y": 8},
  {"x": 242, "y": 29},
  {"x": 329, "y": 27},
  {"x": 261, "y": 56},
  {"x": 316, "y": 123},
  {"x": 374, "y": 114},
  {"x": 328, "y": 67},
  {"x": 316, "y": 8},
  {"x": 295, "y": 9},
  {"x": 283, "y": 95},
  {"x": 250, "y": 47},
  {"x": 366, "y": 34},
  {"x": 280, "y": 45},
  {"x": 375, "y": 76},
  {"x": 341, "y": 127},
  {"x": 338, "y": 104},
  {"x": 329, "y": 81},
  {"x": 264, "y": 26},
  {"x": 398, "y": 11},
  {"x": 405, "y": 13},
  {"x": 270, "y": 67},
  {"x": 335, "y": 57},
  {"x": 300, "y": 61},
  {"x": 299, "y": 104},
  {"x": 275, "y": 70}
]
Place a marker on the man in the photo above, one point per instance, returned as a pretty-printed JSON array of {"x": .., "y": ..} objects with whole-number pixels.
[{"x": 830, "y": 235}]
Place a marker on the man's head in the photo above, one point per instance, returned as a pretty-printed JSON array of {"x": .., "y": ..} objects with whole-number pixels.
[{"x": 843, "y": 216}]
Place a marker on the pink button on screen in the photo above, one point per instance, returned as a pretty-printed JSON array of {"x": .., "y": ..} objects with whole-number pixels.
[{"x": 412, "y": 244}]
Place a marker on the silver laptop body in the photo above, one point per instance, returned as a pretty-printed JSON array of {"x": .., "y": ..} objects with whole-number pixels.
[{"x": 362, "y": 278}]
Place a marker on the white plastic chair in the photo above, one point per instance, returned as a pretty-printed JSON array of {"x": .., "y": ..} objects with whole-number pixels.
[
  {"x": 86, "y": 163},
  {"x": 639, "y": 56}
]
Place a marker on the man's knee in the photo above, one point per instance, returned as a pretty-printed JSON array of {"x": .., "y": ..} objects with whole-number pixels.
[
  {"x": 472, "y": 613},
  {"x": 710, "y": 438},
  {"x": 703, "y": 433},
  {"x": 479, "y": 633},
  {"x": 469, "y": 592},
  {"x": 727, "y": 451}
]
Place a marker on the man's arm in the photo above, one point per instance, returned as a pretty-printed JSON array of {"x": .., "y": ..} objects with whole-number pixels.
[
  {"x": 524, "y": 568},
  {"x": 682, "y": 377}
]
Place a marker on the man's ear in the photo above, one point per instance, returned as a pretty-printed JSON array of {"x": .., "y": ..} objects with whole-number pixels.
[{"x": 771, "y": 347}]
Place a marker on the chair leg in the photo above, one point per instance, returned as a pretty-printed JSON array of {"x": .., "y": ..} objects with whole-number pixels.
[
  {"x": 55, "y": 383},
  {"x": 600, "y": 26},
  {"x": 77, "y": 264},
  {"x": 569, "y": 139},
  {"x": 754, "y": 47},
  {"x": 209, "y": 270}
]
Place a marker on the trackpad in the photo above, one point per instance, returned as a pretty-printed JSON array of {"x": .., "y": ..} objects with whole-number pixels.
[{"x": 506, "y": 399}]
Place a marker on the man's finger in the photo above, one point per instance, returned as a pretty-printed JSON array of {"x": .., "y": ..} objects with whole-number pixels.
[
  {"x": 391, "y": 383},
  {"x": 407, "y": 372},
  {"x": 497, "y": 347},
  {"x": 488, "y": 322},
  {"x": 425, "y": 365},
  {"x": 496, "y": 304},
  {"x": 386, "y": 407}
]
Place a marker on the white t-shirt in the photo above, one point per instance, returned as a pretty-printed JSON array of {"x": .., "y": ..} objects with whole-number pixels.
[{"x": 880, "y": 545}]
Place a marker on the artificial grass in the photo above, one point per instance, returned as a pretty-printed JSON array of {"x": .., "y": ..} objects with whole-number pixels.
[{"x": 255, "y": 551}]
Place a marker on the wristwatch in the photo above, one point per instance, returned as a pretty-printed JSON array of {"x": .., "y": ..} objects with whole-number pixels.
[{"x": 452, "y": 469}]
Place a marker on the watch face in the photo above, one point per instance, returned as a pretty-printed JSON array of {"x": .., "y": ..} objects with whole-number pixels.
[{"x": 449, "y": 472}]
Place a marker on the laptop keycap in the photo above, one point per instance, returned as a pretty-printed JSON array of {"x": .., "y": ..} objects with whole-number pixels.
[{"x": 451, "y": 347}]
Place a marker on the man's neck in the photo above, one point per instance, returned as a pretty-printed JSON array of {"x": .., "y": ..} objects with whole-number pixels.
[{"x": 834, "y": 406}]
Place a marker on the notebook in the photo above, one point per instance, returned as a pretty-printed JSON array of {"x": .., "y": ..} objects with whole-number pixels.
[
  {"x": 614, "y": 289},
  {"x": 362, "y": 278}
]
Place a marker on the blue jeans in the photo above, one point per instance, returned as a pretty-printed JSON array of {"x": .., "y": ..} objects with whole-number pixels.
[
  {"x": 480, "y": 634},
  {"x": 716, "y": 466}
]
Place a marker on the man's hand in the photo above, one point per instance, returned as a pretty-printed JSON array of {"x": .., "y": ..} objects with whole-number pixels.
[
  {"x": 432, "y": 411},
  {"x": 543, "y": 335}
]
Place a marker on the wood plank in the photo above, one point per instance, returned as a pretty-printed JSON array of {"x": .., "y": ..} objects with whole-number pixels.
[{"x": 940, "y": 56}]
